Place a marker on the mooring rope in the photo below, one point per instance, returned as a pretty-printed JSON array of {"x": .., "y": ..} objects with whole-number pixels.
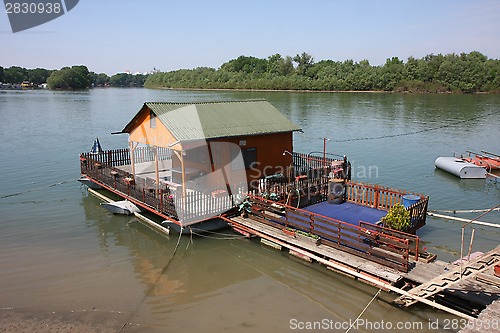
[
  {"x": 366, "y": 307},
  {"x": 154, "y": 284},
  {"x": 226, "y": 237},
  {"x": 409, "y": 133},
  {"x": 35, "y": 189},
  {"x": 463, "y": 211}
]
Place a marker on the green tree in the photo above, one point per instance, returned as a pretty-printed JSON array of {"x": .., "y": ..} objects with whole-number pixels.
[
  {"x": 304, "y": 62},
  {"x": 139, "y": 79},
  {"x": 70, "y": 78},
  {"x": 1, "y": 74},
  {"x": 121, "y": 80},
  {"x": 15, "y": 75},
  {"x": 99, "y": 80},
  {"x": 397, "y": 218},
  {"x": 392, "y": 73},
  {"x": 38, "y": 75},
  {"x": 246, "y": 64}
]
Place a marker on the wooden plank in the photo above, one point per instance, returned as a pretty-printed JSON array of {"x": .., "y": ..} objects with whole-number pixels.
[
  {"x": 327, "y": 229},
  {"x": 327, "y": 222},
  {"x": 300, "y": 255},
  {"x": 452, "y": 278},
  {"x": 383, "y": 272},
  {"x": 331, "y": 237},
  {"x": 270, "y": 244},
  {"x": 489, "y": 279},
  {"x": 365, "y": 255}
]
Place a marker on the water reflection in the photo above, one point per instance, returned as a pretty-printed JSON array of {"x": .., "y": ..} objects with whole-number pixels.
[{"x": 216, "y": 276}]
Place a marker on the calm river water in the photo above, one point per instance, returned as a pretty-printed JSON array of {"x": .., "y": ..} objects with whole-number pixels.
[{"x": 63, "y": 256}]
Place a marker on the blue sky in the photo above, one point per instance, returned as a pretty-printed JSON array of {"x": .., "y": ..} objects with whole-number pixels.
[{"x": 115, "y": 36}]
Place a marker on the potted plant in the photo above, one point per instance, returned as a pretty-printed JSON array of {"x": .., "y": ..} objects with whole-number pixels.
[
  {"x": 244, "y": 208},
  {"x": 308, "y": 237},
  {"x": 397, "y": 218}
]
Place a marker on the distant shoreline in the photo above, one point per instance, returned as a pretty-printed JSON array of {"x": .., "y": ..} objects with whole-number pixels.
[
  {"x": 326, "y": 91},
  {"x": 266, "y": 90}
]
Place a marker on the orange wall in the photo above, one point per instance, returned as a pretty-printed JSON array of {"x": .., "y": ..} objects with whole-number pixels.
[
  {"x": 158, "y": 136},
  {"x": 269, "y": 149}
]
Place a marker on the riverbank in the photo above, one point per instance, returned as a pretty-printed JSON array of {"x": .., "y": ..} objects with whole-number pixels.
[
  {"x": 13, "y": 321},
  {"x": 320, "y": 91},
  {"x": 464, "y": 73}
]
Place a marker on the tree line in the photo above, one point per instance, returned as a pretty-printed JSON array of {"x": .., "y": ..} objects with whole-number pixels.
[
  {"x": 463, "y": 73},
  {"x": 68, "y": 78}
]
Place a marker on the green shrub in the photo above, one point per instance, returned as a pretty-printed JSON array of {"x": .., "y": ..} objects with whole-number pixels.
[{"x": 398, "y": 218}]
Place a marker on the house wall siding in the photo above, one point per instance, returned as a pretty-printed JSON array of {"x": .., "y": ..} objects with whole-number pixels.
[
  {"x": 143, "y": 133},
  {"x": 269, "y": 152}
]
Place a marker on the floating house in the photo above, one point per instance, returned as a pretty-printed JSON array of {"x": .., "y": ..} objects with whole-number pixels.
[
  {"x": 191, "y": 164},
  {"x": 206, "y": 137}
]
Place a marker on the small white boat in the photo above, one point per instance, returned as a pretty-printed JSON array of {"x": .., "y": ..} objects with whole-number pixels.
[
  {"x": 90, "y": 184},
  {"x": 460, "y": 168},
  {"x": 124, "y": 207}
]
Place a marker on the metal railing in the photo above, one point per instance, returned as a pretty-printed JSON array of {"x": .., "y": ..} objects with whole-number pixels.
[{"x": 184, "y": 206}]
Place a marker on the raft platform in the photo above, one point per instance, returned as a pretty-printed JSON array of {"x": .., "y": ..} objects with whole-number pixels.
[{"x": 370, "y": 254}]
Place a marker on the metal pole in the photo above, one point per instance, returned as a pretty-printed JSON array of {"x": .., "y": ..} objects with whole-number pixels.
[
  {"x": 462, "y": 252},
  {"x": 132, "y": 158},
  {"x": 324, "y": 152},
  {"x": 470, "y": 244},
  {"x": 493, "y": 225},
  {"x": 157, "y": 169}
]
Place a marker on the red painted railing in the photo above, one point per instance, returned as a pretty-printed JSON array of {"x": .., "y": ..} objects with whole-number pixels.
[{"x": 379, "y": 245}]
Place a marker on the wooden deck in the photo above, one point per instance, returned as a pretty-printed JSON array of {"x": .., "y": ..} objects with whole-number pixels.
[
  {"x": 421, "y": 271},
  {"x": 434, "y": 283},
  {"x": 366, "y": 240},
  {"x": 354, "y": 262}
]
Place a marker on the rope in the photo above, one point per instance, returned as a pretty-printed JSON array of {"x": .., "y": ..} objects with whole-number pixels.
[
  {"x": 212, "y": 232},
  {"x": 229, "y": 237},
  {"x": 412, "y": 133},
  {"x": 35, "y": 189},
  {"x": 463, "y": 211},
  {"x": 366, "y": 307},
  {"x": 190, "y": 239},
  {"x": 154, "y": 284}
]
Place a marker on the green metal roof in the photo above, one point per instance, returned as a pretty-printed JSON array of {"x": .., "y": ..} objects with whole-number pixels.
[{"x": 207, "y": 120}]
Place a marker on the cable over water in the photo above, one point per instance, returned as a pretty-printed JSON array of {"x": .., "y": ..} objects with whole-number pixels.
[
  {"x": 451, "y": 124},
  {"x": 35, "y": 189}
]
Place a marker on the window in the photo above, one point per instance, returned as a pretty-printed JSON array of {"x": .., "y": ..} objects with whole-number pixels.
[
  {"x": 152, "y": 119},
  {"x": 249, "y": 157}
]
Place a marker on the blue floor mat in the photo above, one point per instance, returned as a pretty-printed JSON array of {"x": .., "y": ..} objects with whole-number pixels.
[{"x": 347, "y": 212}]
